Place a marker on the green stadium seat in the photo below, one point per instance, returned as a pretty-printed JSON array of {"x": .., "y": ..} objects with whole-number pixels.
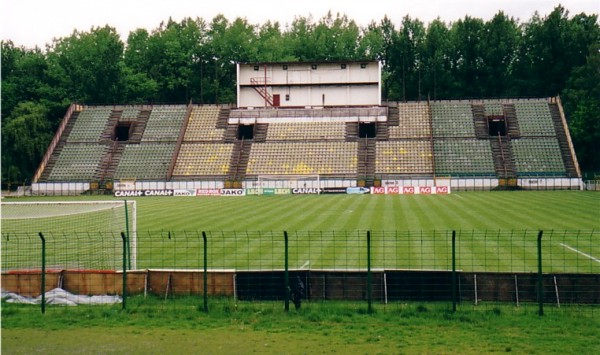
[
  {"x": 463, "y": 157},
  {"x": 538, "y": 156}
]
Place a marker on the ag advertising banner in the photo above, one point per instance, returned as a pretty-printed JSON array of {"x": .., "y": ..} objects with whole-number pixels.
[{"x": 410, "y": 190}]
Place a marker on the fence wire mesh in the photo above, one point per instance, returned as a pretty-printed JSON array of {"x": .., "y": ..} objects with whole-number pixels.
[{"x": 383, "y": 268}]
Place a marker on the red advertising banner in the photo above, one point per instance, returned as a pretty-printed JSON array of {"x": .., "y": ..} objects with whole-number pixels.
[
  {"x": 408, "y": 190},
  {"x": 424, "y": 190},
  {"x": 442, "y": 189},
  {"x": 378, "y": 190},
  {"x": 392, "y": 190}
]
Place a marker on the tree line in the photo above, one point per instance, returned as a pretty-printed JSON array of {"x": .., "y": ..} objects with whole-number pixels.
[{"x": 194, "y": 59}]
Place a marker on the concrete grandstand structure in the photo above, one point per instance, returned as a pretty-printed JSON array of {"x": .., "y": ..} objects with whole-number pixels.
[{"x": 492, "y": 143}]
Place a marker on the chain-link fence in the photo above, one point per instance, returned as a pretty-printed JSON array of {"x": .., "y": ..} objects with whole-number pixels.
[{"x": 372, "y": 269}]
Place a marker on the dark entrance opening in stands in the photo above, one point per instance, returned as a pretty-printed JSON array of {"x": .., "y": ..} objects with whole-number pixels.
[
  {"x": 122, "y": 132},
  {"x": 497, "y": 125},
  {"x": 245, "y": 132},
  {"x": 367, "y": 130}
]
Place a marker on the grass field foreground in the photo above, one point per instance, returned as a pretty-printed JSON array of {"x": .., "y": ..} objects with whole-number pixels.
[{"x": 264, "y": 328}]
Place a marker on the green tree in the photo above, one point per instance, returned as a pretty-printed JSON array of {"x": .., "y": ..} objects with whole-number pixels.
[
  {"x": 170, "y": 59},
  {"x": 549, "y": 50},
  {"x": 271, "y": 45},
  {"x": 467, "y": 64},
  {"x": 436, "y": 77},
  {"x": 26, "y": 134},
  {"x": 139, "y": 87},
  {"x": 299, "y": 37},
  {"x": 88, "y": 65},
  {"x": 406, "y": 59},
  {"x": 23, "y": 76},
  {"x": 581, "y": 99},
  {"x": 498, "y": 50}
]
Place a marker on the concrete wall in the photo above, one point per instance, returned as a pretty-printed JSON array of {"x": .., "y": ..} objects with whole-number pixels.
[{"x": 311, "y": 84}]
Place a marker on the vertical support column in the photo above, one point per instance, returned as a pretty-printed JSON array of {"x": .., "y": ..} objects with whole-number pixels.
[
  {"x": 205, "y": 273},
  {"x": 540, "y": 286},
  {"x": 43, "y": 287},
  {"x": 124, "y": 238},
  {"x": 286, "y": 274},
  {"x": 369, "y": 276},
  {"x": 453, "y": 271},
  {"x": 127, "y": 231}
]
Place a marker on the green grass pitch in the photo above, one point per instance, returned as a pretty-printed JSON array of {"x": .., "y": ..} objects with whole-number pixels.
[
  {"x": 496, "y": 231},
  {"x": 529, "y": 210}
]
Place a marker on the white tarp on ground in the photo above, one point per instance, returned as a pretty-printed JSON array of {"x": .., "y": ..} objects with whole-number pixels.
[{"x": 59, "y": 296}]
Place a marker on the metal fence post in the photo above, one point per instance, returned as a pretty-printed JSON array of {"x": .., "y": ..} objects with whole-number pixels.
[
  {"x": 369, "y": 276},
  {"x": 453, "y": 271},
  {"x": 286, "y": 274},
  {"x": 124, "y": 238},
  {"x": 43, "y": 273},
  {"x": 127, "y": 231},
  {"x": 540, "y": 285},
  {"x": 205, "y": 273}
]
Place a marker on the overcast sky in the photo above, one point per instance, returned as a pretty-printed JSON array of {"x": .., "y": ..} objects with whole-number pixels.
[{"x": 36, "y": 22}]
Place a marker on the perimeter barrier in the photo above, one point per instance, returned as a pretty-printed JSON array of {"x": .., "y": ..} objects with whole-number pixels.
[{"x": 363, "y": 270}]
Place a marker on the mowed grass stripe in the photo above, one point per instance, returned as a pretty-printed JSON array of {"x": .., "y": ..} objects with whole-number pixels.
[{"x": 493, "y": 211}]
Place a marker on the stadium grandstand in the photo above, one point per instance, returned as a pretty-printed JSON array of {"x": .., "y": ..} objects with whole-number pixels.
[{"x": 324, "y": 119}]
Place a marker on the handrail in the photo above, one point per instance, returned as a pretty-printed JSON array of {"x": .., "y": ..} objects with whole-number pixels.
[
  {"x": 568, "y": 135},
  {"x": 177, "y": 149},
  {"x": 109, "y": 158},
  {"x": 262, "y": 90},
  {"x": 430, "y": 126},
  {"x": 502, "y": 155},
  {"x": 38, "y": 173},
  {"x": 239, "y": 158}
]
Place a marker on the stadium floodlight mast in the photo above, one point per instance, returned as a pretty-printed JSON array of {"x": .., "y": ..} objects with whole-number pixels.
[{"x": 89, "y": 230}]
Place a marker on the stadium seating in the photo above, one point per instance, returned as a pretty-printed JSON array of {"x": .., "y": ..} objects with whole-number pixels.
[
  {"x": 90, "y": 124},
  {"x": 404, "y": 157},
  {"x": 423, "y": 138},
  {"x": 463, "y": 157},
  {"x": 306, "y": 131},
  {"x": 130, "y": 113},
  {"x": 196, "y": 159},
  {"x": 164, "y": 124},
  {"x": 202, "y": 124},
  {"x": 146, "y": 161},
  {"x": 335, "y": 157},
  {"x": 493, "y": 108},
  {"x": 452, "y": 119},
  {"x": 538, "y": 156},
  {"x": 414, "y": 121},
  {"x": 534, "y": 118},
  {"x": 77, "y": 162}
]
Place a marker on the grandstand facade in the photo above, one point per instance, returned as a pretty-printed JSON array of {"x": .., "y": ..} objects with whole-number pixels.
[
  {"x": 312, "y": 119},
  {"x": 504, "y": 142}
]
